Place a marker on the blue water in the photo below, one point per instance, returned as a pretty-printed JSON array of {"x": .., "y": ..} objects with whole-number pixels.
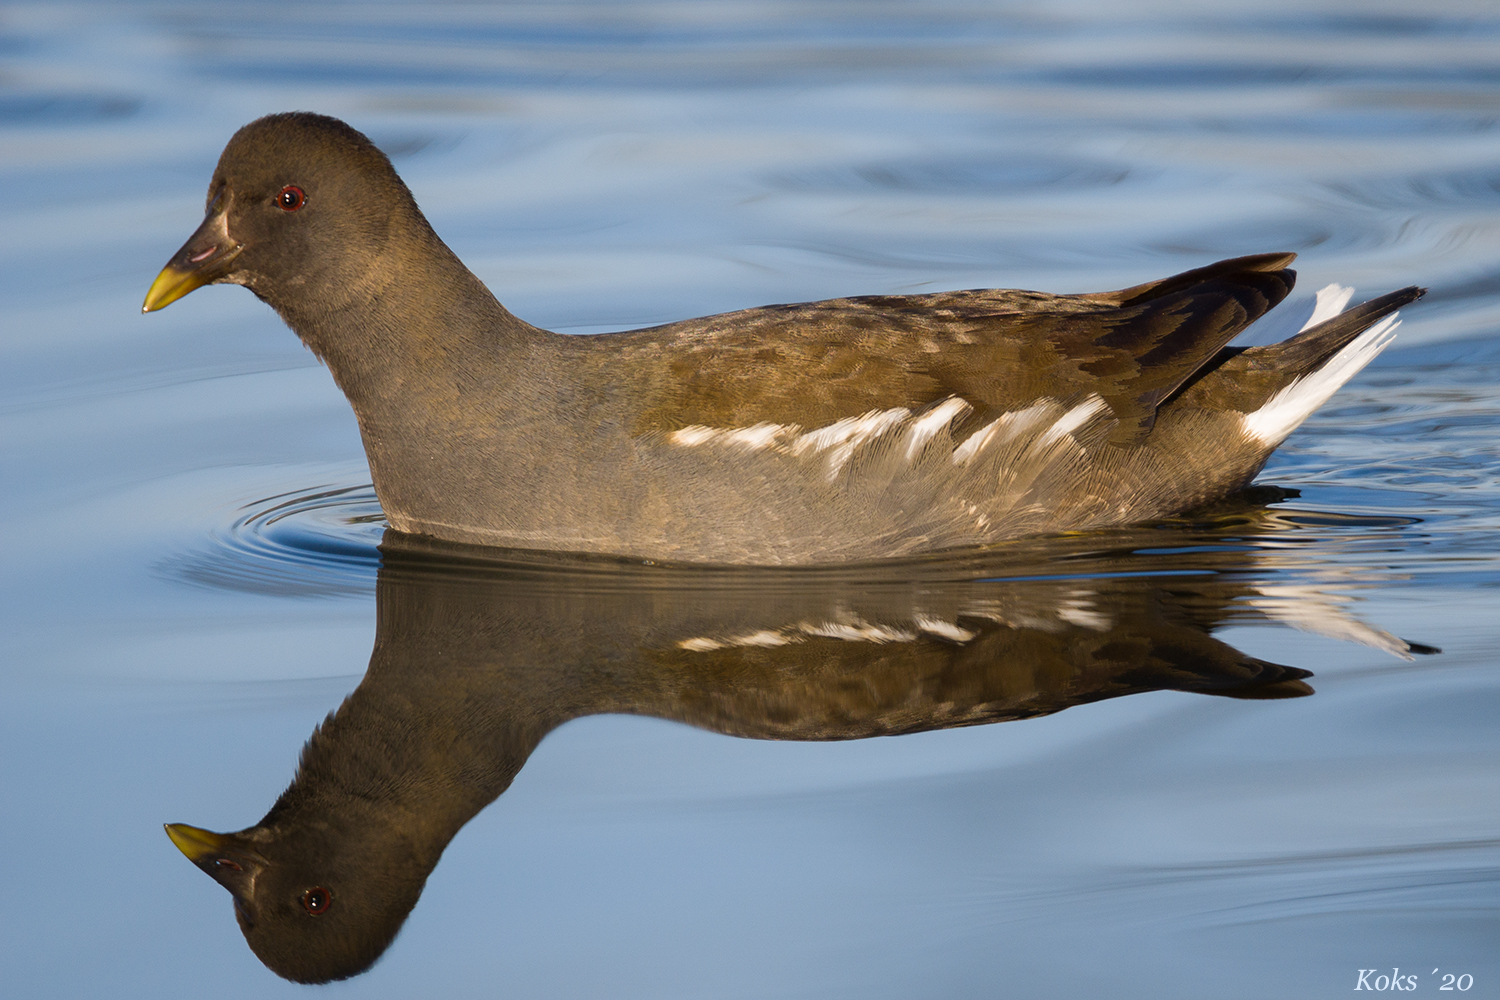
[{"x": 190, "y": 543}]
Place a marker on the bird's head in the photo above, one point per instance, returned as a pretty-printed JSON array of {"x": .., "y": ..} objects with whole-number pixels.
[
  {"x": 315, "y": 902},
  {"x": 301, "y": 208}
]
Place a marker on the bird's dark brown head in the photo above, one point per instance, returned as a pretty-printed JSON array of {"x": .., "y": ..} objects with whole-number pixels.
[
  {"x": 302, "y": 209},
  {"x": 316, "y": 902}
]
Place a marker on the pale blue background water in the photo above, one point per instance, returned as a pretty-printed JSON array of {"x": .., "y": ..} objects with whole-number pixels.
[{"x": 604, "y": 165}]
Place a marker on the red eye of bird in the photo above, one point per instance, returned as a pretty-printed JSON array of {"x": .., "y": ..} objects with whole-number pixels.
[
  {"x": 291, "y": 198},
  {"x": 317, "y": 900}
]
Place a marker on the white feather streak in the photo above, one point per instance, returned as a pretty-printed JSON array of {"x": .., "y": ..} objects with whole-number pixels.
[
  {"x": 862, "y": 632},
  {"x": 1314, "y": 609},
  {"x": 947, "y": 630},
  {"x": 840, "y": 439},
  {"x": 1072, "y": 420},
  {"x": 1332, "y": 300},
  {"x": 1285, "y": 411},
  {"x": 752, "y": 438},
  {"x": 849, "y": 431},
  {"x": 1004, "y": 428},
  {"x": 926, "y": 427}
]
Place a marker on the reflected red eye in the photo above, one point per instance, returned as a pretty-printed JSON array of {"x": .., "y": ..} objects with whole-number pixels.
[
  {"x": 317, "y": 899},
  {"x": 291, "y": 198}
]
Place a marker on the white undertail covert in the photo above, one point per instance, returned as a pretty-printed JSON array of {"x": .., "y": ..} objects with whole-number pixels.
[{"x": 1287, "y": 409}]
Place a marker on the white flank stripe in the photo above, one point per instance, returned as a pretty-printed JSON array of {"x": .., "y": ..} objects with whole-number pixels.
[
  {"x": 689, "y": 436},
  {"x": 1018, "y": 422},
  {"x": 756, "y": 437},
  {"x": 1077, "y": 608},
  {"x": 752, "y": 438},
  {"x": 946, "y": 630},
  {"x": 841, "y": 438},
  {"x": 1332, "y": 300},
  {"x": 1072, "y": 420},
  {"x": 1285, "y": 411},
  {"x": 863, "y": 632},
  {"x": 966, "y": 451},
  {"x": 1004, "y": 428},
  {"x": 926, "y": 427},
  {"x": 849, "y": 431},
  {"x": 765, "y": 637}
]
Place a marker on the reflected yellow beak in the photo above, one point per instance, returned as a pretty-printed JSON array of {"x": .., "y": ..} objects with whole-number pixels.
[
  {"x": 226, "y": 858},
  {"x": 195, "y": 843}
]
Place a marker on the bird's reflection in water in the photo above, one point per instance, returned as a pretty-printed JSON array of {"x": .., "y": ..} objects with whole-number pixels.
[{"x": 477, "y": 659}]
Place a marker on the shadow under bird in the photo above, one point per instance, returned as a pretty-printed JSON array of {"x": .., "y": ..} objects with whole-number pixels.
[
  {"x": 475, "y": 660},
  {"x": 824, "y": 432}
]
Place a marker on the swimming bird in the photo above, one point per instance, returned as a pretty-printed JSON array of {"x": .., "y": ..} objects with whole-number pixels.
[{"x": 824, "y": 432}]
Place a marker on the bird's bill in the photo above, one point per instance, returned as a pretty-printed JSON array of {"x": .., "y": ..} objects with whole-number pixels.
[
  {"x": 228, "y": 858},
  {"x": 203, "y": 259},
  {"x": 198, "y": 844}
]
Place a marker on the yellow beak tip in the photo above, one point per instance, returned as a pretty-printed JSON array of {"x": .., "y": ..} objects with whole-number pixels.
[
  {"x": 169, "y": 286},
  {"x": 192, "y": 841}
]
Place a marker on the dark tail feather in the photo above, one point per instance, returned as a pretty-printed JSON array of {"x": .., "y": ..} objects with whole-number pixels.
[
  {"x": 1244, "y": 379},
  {"x": 1165, "y": 331},
  {"x": 1234, "y": 268},
  {"x": 1308, "y": 350}
]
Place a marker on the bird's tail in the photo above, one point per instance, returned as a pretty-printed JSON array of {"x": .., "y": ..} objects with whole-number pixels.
[{"x": 1278, "y": 386}]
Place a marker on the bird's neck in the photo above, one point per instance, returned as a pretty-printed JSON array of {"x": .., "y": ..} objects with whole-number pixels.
[
  {"x": 455, "y": 700},
  {"x": 429, "y": 360},
  {"x": 406, "y": 321},
  {"x": 419, "y": 764}
]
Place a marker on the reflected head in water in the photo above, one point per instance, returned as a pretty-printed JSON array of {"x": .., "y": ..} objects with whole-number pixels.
[
  {"x": 317, "y": 899},
  {"x": 477, "y": 658}
]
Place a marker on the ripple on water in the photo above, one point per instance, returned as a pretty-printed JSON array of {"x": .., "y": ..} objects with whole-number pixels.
[
  {"x": 958, "y": 175},
  {"x": 321, "y": 541},
  {"x": 1465, "y": 189}
]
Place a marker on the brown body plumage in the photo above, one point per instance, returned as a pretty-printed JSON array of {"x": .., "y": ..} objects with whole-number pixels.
[{"x": 845, "y": 430}]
